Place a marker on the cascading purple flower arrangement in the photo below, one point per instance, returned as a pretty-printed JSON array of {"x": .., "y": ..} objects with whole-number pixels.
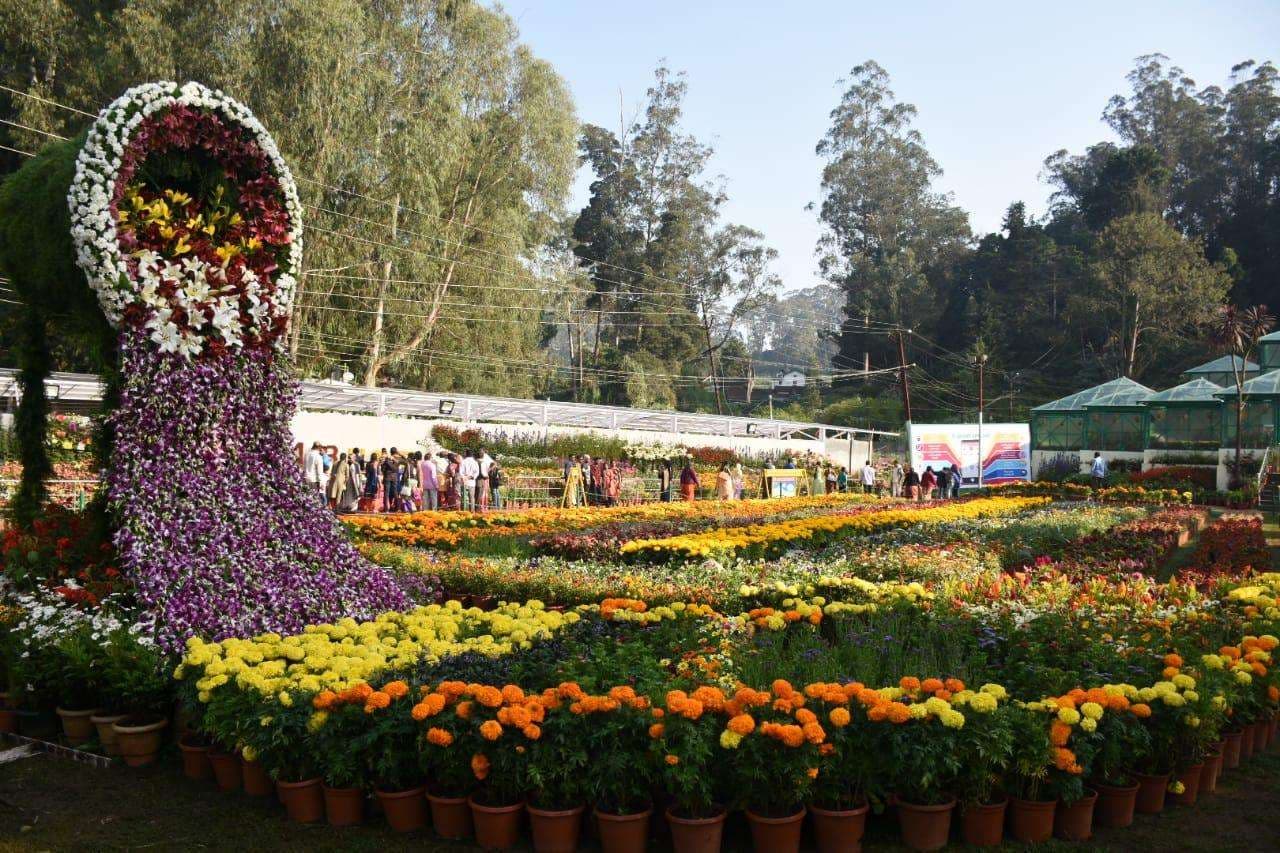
[{"x": 187, "y": 225}]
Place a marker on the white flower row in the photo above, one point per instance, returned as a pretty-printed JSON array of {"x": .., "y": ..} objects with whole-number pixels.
[{"x": 93, "y": 228}]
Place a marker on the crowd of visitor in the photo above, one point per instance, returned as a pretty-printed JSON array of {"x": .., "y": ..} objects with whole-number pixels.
[{"x": 392, "y": 481}]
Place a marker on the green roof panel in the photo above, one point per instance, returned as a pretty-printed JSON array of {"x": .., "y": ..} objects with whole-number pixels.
[
  {"x": 1266, "y": 385},
  {"x": 1195, "y": 391},
  {"x": 1225, "y": 364},
  {"x": 1122, "y": 391}
]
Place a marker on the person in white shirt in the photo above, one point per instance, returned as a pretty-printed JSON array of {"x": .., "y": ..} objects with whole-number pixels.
[
  {"x": 313, "y": 468},
  {"x": 1099, "y": 470},
  {"x": 485, "y": 461},
  {"x": 868, "y": 477},
  {"x": 468, "y": 473}
]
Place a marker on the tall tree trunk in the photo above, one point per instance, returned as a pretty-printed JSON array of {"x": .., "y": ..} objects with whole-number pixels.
[{"x": 375, "y": 349}]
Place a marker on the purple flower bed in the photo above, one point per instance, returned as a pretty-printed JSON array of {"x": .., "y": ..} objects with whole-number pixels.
[{"x": 214, "y": 524}]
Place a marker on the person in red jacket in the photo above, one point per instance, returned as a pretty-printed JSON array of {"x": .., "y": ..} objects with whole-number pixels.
[
  {"x": 927, "y": 484},
  {"x": 688, "y": 481}
]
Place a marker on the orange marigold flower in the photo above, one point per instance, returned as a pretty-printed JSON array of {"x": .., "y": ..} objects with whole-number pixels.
[
  {"x": 376, "y": 701},
  {"x": 1063, "y": 758},
  {"x": 491, "y": 730},
  {"x": 813, "y": 733},
  {"x": 1273, "y": 693},
  {"x": 396, "y": 689},
  {"x": 793, "y": 736},
  {"x": 419, "y": 712},
  {"x": 439, "y": 737},
  {"x": 512, "y": 694},
  {"x": 1141, "y": 709},
  {"x": 1059, "y": 733},
  {"x": 657, "y": 713},
  {"x": 361, "y": 691},
  {"x": 531, "y": 731},
  {"x": 909, "y": 683},
  {"x": 490, "y": 697},
  {"x": 742, "y": 724},
  {"x": 944, "y": 694},
  {"x": 622, "y": 693},
  {"x": 898, "y": 712},
  {"x": 480, "y": 766},
  {"x": 955, "y": 685},
  {"x": 931, "y": 685},
  {"x": 804, "y": 716},
  {"x": 463, "y": 710},
  {"x": 1173, "y": 660},
  {"x": 672, "y": 760},
  {"x": 1169, "y": 672},
  {"x": 570, "y": 690},
  {"x": 878, "y": 713},
  {"x": 826, "y": 749},
  {"x": 839, "y": 717},
  {"x": 782, "y": 688},
  {"x": 451, "y": 689},
  {"x": 812, "y": 772},
  {"x": 324, "y": 700},
  {"x": 657, "y": 730}
]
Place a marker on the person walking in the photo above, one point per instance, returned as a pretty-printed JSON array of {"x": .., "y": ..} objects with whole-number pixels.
[
  {"x": 739, "y": 481},
  {"x": 842, "y": 480},
  {"x": 451, "y": 485},
  {"x": 944, "y": 482},
  {"x": 468, "y": 474},
  {"x": 390, "y": 488},
  {"x": 819, "y": 480},
  {"x": 1099, "y": 471},
  {"x": 955, "y": 480},
  {"x": 611, "y": 483},
  {"x": 497, "y": 478},
  {"x": 371, "y": 478},
  {"x": 724, "y": 484},
  {"x": 928, "y": 481},
  {"x": 337, "y": 476},
  {"x": 410, "y": 487},
  {"x": 666, "y": 474},
  {"x": 896, "y": 478},
  {"x": 912, "y": 482},
  {"x": 688, "y": 481},
  {"x": 313, "y": 468},
  {"x": 483, "y": 462},
  {"x": 430, "y": 483},
  {"x": 868, "y": 478},
  {"x": 831, "y": 480}
]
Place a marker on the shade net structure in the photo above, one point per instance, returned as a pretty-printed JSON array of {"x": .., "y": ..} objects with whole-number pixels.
[
  {"x": 1105, "y": 417},
  {"x": 1261, "y": 422}
]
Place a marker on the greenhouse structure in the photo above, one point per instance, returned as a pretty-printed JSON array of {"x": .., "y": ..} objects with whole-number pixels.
[{"x": 1193, "y": 423}]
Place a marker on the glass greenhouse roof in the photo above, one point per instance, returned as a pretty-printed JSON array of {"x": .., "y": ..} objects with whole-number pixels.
[
  {"x": 1195, "y": 391},
  {"x": 1225, "y": 364},
  {"x": 1266, "y": 385},
  {"x": 1122, "y": 391}
]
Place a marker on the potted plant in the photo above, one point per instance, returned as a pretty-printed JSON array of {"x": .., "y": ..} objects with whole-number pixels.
[
  {"x": 772, "y": 769},
  {"x": 390, "y": 739},
  {"x": 501, "y": 726},
  {"x": 619, "y": 778},
  {"x": 683, "y": 747},
  {"x": 1122, "y": 739},
  {"x": 987, "y": 745},
  {"x": 838, "y": 800},
  {"x": 927, "y": 752},
  {"x": 557, "y": 766},
  {"x": 77, "y": 658},
  {"x": 141, "y": 692},
  {"x": 344, "y": 769},
  {"x": 443, "y": 717},
  {"x": 1037, "y": 748}
]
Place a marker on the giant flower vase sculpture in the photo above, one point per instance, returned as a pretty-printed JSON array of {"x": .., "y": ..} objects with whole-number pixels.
[{"x": 186, "y": 225}]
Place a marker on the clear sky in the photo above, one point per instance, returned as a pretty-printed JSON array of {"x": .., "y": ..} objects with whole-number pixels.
[{"x": 999, "y": 86}]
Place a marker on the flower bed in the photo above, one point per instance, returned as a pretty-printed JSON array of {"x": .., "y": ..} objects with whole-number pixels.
[
  {"x": 773, "y": 539},
  {"x": 1230, "y": 545}
]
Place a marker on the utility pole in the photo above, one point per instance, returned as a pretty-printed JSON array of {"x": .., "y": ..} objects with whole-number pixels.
[
  {"x": 982, "y": 364},
  {"x": 902, "y": 373}
]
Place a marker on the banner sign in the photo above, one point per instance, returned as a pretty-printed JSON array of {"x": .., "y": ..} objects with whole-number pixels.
[{"x": 1005, "y": 452}]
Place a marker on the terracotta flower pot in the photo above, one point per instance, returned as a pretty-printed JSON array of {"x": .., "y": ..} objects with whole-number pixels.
[
  {"x": 257, "y": 782},
  {"x": 106, "y": 734},
  {"x": 982, "y": 824},
  {"x": 139, "y": 739},
  {"x": 303, "y": 801},
  {"x": 1246, "y": 742},
  {"x": 1275, "y": 729},
  {"x": 624, "y": 833},
  {"x": 925, "y": 827},
  {"x": 226, "y": 770},
  {"x": 344, "y": 806},
  {"x": 839, "y": 830},
  {"x": 195, "y": 759},
  {"x": 1209, "y": 776},
  {"x": 1190, "y": 779},
  {"x": 780, "y": 834},
  {"x": 1231, "y": 750},
  {"x": 36, "y": 724},
  {"x": 696, "y": 834},
  {"x": 497, "y": 827},
  {"x": 1074, "y": 821},
  {"x": 1151, "y": 791},
  {"x": 8, "y": 720},
  {"x": 1031, "y": 821},
  {"x": 1115, "y": 805},
  {"x": 451, "y": 816},
  {"x": 1262, "y": 738},
  {"x": 77, "y": 726},
  {"x": 405, "y": 811},
  {"x": 555, "y": 831}
]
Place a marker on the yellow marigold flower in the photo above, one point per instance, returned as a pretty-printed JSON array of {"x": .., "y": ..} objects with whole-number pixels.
[
  {"x": 730, "y": 739},
  {"x": 1089, "y": 724},
  {"x": 317, "y": 720},
  {"x": 1070, "y": 716},
  {"x": 1092, "y": 710}
]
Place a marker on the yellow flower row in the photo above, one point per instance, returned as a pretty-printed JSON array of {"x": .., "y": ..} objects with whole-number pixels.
[
  {"x": 338, "y": 655},
  {"x": 728, "y": 542}
]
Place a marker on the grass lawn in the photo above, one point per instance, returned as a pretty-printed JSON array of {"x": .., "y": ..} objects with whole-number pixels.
[{"x": 49, "y": 804}]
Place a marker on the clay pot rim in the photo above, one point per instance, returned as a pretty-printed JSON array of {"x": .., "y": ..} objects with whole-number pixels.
[
  {"x": 1002, "y": 803},
  {"x": 534, "y": 810},
  {"x": 305, "y": 783},
  {"x": 1151, "y": 777},
  {"x": 349, "y": 792},
  {"x": 471, "y": 800},
  {"x": 184, "y": 744},
  {"x": 791, "y": 818},
  {"x": 400, "y": 795},
  {"x": 106, "y": 719},
  {"x": 447, "y": 800},
  {"x": 856, "y": 810},
  {"x": 1034, "y": 805},
  {"x": 604, "y": 815},
  {"x": 146, "y": 728},
  {"x": 1102, "y": 787},
  {"x": 720, "y": 816},
  {"x": 72, "y": 712},
  {"x": 1090, "y": 795},
  {"x": 939, "y": 807}
]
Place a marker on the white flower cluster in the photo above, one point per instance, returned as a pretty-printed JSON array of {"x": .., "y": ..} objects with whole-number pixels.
[
  {"x": 46, "y": 618},
  {"x": 654, "y": 452},
  {"x": 96, "y": 241}
]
